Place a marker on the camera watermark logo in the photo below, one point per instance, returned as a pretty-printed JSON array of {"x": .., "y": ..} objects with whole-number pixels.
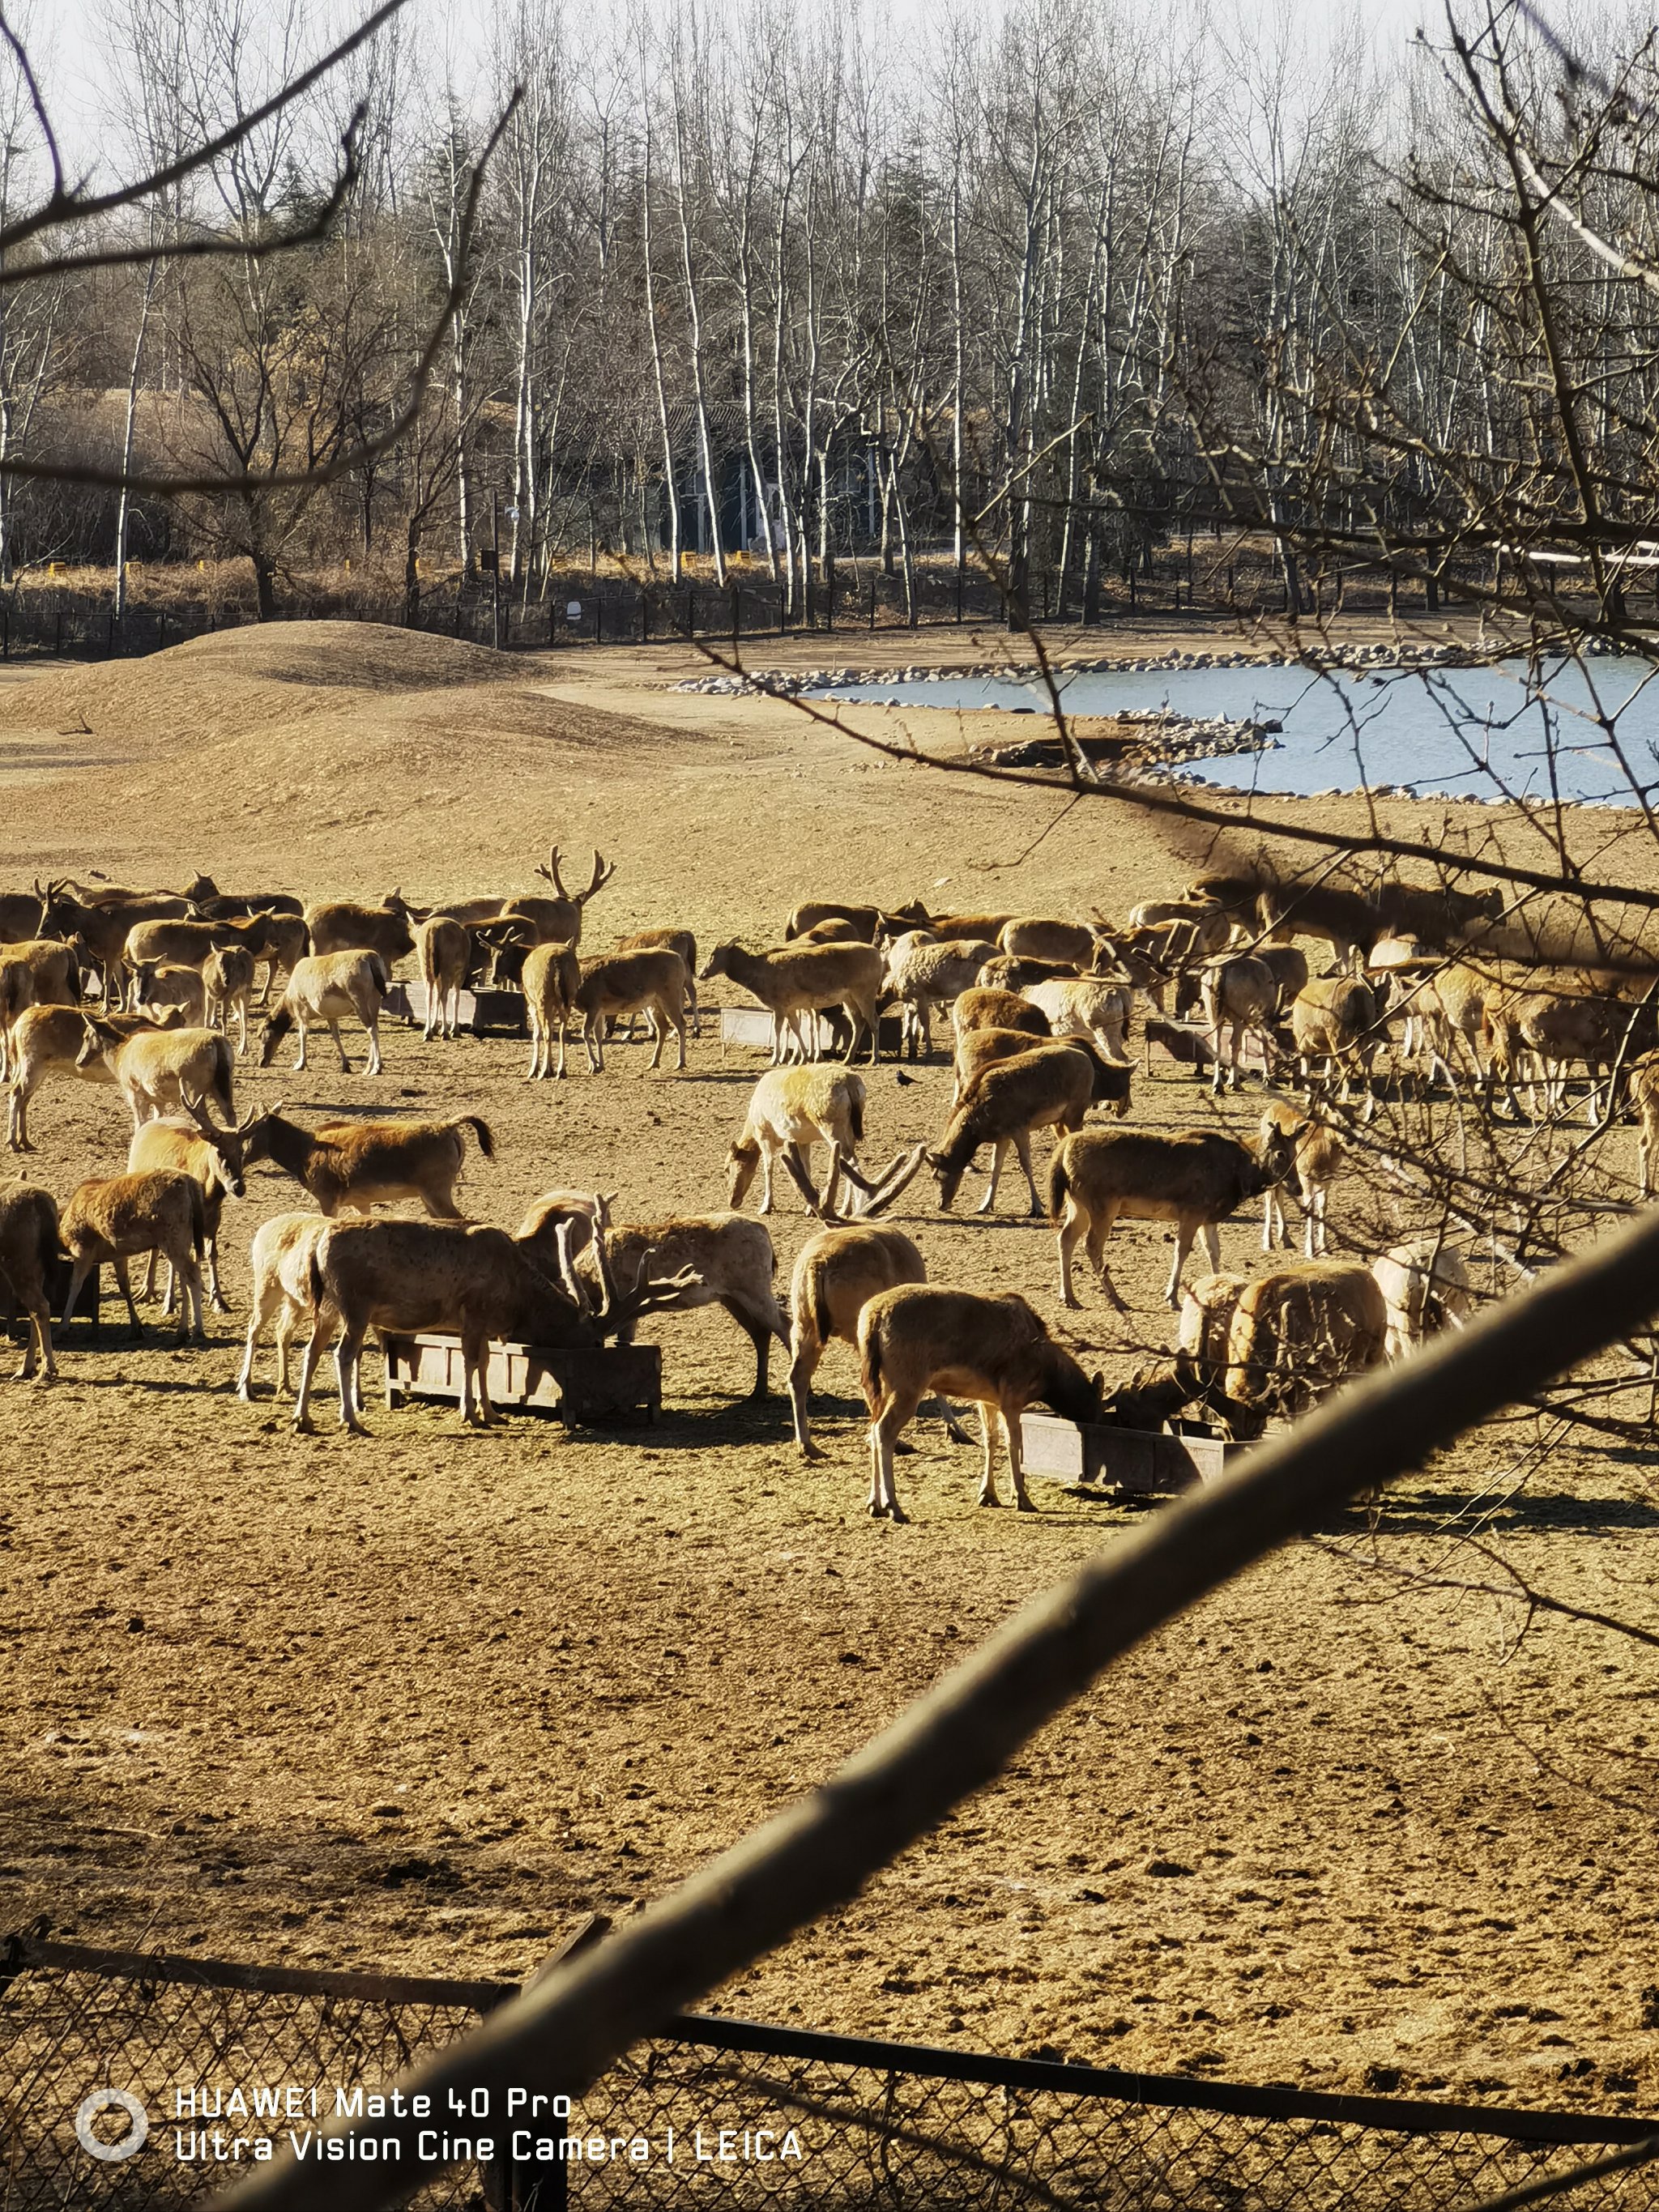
[{"x": 93, "y": 2108}]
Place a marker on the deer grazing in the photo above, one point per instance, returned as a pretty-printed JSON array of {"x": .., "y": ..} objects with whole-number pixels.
[
  {"x": 115, "y": 1218},
  {"x": 794, "y": 1109},
  {"x": 1089, "y": 1006},
  {"x": 30, "y": 1248},
  {"x": 722, "y": 1258},
  {"x": 458, "y": 1278},
  {"x": 1050, "y": 1086},
  {"x": 802, "y": 981},
  {"x": 351, "y": 1166},
  {"x": 837, "y": 1272},
  {"x": 1195, "y": 1179},
  {"x": 1298, "y": 1331},
  {"x": 1240, "y": 995},
  {"x": 322, "y": 989},
  {"x": 981, "y": 1009},
  {"x": 866, "y": 922},
  {"x": 916, "y": 1341},
  {"x": 1426, "y": 1286},
  {"x": 1038, "y": 937},
  {"x": 1336, "y": 1020}
]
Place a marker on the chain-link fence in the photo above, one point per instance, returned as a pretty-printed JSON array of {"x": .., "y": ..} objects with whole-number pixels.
[
  {"x": 200, "y": 2046},
  {"x": 711, "y": 2112},
  {"x": 761, "y": 2117}
]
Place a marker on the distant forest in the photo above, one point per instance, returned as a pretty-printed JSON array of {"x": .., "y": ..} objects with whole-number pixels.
[{"x": 1036, "y": 284}]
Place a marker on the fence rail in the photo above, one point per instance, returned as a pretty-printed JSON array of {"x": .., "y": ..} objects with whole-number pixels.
[
  {"x": 616, "y": 610},
  {"x": 709, "y": 2111}
]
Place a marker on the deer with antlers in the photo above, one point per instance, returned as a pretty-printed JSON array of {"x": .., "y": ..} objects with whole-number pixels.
[{"x": 559, "y": 919}]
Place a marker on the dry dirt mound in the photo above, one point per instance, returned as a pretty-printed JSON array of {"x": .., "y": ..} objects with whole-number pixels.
[
  {"x": 238, "y": 682},
  {"x": 358, "y": 656}
]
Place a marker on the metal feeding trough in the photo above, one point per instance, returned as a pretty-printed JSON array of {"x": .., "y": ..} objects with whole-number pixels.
[
  {"x": 1138, "y": 1461},
  {"x": 752, "y": 1025},
  {"x": 613, "y": 1383},
  {"x": 481, "y": 1011}
]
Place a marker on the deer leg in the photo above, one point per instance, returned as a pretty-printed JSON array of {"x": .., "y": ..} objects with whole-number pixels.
[
  {"x": 591, "y": 1029},
  {"x": 1011, "y": 1430},
  {"x": 347, "y": 1358},
  {"x": 678, "y": 1017},
  {"x": 339, "y": 1043},
  {"x": 188, "y": 1269},
  {"x": 1066, "y": 1236},
  {"x": 658, "y": 1033},
  {"x": 266, "y": 1298},
  {"x": 124, "y": 1284},
  {"x": 998, "y": 1153},
  {"x": 1183, "y": 1246},
  {"x": 216, "y": 1296},
  {"x": 884, "y": 1434},
  {"x": 988, "y": 1480},
  {"x": 805, "y": 1352},
  {"x": 759, "y": 1333},
  {"x": 1023, "y": 1153},
  {"x": 535, "y": 1070},
  {"x": 561, "y": 1037},
  {"x": 372, "y": 1023},
  {"x": 78, "y": 1275},
  {"x": 942, "y": 1410},
  {"x": 147, "y": 1288}
]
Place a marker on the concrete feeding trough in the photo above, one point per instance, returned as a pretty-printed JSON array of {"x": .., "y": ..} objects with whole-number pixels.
[
  {"x": 752, "y": 1025},
  {"x": 1140, "y": 1461},
  {"x": 499, "y": 1013},
  {"x": 86, "y": 1306},
  {"x": 607, "y": 1382}
]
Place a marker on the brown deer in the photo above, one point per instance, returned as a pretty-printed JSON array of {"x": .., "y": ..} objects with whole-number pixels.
[
  {"x": 916, "y": 1340},
  {"x": 1195, "y": 1179}
]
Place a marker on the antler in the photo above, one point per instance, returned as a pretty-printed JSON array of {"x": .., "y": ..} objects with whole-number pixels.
[
  {"x": 663, "y": 1291},
  {"x": 551, "y": 874},
  {"x": 602, "y": 872},
  {"x": 198, "y": 1112}
]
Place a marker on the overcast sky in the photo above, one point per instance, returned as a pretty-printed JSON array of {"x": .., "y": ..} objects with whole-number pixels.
[{"x": 64, "y": 37}]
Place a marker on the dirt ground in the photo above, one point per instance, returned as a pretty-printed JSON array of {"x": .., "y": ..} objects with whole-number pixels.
[{"x": 419, "y": 1701}]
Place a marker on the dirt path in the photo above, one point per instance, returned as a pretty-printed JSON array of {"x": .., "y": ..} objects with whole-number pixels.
[{"x": 419, "y": 1700}]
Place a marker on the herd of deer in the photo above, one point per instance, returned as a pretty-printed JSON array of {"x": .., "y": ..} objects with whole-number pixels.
[{"x": 142, "y": 990}]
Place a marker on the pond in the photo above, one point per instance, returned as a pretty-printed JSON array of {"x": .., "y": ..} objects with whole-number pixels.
[{"x": 1482, "y": 732}]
